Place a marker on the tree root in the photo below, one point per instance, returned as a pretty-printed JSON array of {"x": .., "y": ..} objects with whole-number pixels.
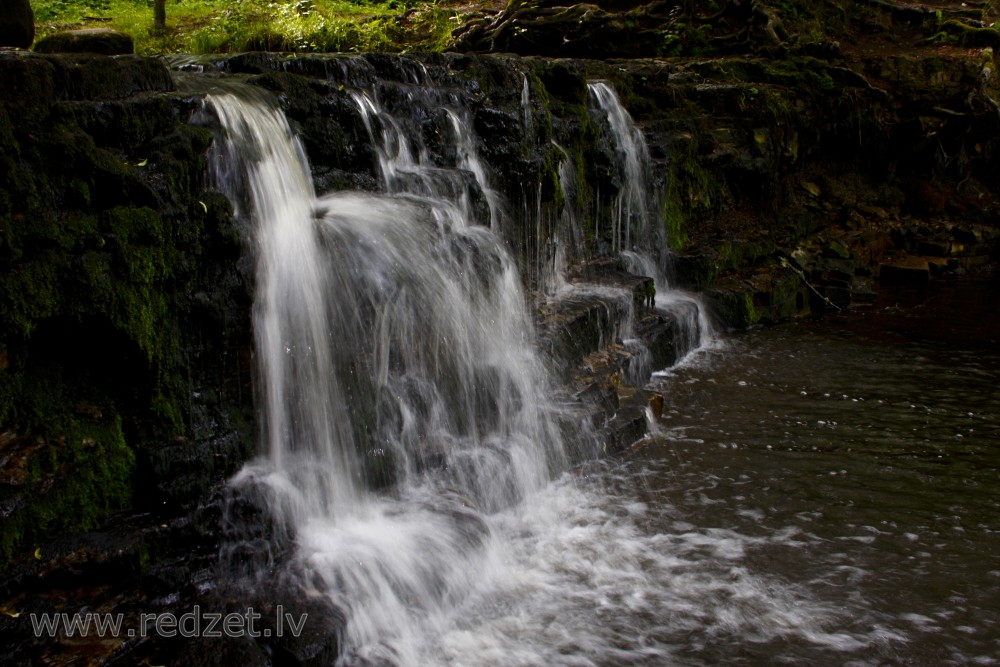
[
  {"x": 972, "y": 36},
  {"x": 984, "y": 78},
  {"x": 773, "y": 27},
  {"x": 903, "y": 11}
]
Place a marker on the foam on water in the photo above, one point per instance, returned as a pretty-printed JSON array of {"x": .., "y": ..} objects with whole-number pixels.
[
  {"x": 396, "y": 351},
  {"x": 585, "y": 583}
]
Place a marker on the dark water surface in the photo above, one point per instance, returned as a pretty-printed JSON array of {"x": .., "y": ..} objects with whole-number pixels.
[
  {"x": 853, "y": 464},
  {"x": 818, "y": 493}
]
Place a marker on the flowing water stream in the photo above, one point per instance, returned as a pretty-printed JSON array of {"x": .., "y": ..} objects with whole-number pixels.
[
  {"x": 809, "y": 497},
  {"x": 395, "y": 348}
]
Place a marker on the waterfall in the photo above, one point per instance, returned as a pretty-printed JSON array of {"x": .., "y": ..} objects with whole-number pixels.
[
  {"x": 394, "y": 347},
  {"x": 554, "y": 280},
  {"x": 635, "y": 208},
  {"x": 694, "y": 330},
  {"x": 421, "y": 470},
  {"x": 529, "y": 126},
  {"x": 307, "y": 425}
]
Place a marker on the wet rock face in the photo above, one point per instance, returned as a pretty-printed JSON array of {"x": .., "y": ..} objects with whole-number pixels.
[
  {"x": 17, "y": 24},
  {"x": 102, "y": 41},
  {"x": 111, "y": 183},
  {"x": 784, "y": 192},
  {"x": 123, "y": 299}
]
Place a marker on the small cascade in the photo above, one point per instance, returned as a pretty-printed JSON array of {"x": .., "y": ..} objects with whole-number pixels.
[
  {"x": 407, "y": 167},
  {"x": 394, "y": 347},
  {"x": 468, "y": 160},
  {"x": 570, "y": 241},
  {"x": 694, "y": 329},
  {"x": 636, "y": 207},
  {"x": 526, "y": 112}
]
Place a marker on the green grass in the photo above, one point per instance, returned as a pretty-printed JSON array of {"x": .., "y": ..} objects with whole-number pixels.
[{"x": 229, "y": 26}]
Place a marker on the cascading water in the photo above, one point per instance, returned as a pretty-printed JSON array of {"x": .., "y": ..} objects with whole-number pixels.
[
  {"x": 633, "y": 204},
  {"x": 694, "y": 326},
  {"x": 394, "y": 346},
  {"x": 554, "y": 282},
  {"x": 306, "y": 424},
  {"x": 635, "y": 207}
]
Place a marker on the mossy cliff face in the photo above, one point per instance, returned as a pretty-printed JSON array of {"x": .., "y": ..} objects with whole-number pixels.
[
  {"x": 114, "y": 292},
  {"x": 811, "y": 144},
  {"x": 784, "y": 183},
  {"x": 811, "y": 177}
]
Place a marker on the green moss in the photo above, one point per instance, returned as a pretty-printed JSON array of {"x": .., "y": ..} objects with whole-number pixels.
[
  {"x": 72, "y": 467},
  {"x": 955, "y": 32},
  {"x": 137, "y": 303},
  {"x": 74, "y": 480},
  {"x": 751, "y": 314},
  {"x": 552, "y": 183},
  {"x": 673, "y": 218},
  {"x": 563, "y": 94},
  {"x": 735, "y": 306},
  {"x": 801, "y": 72},
  {"x": 30, "y": 292},
  {"x": 787, "y": 297},
  {"x": 100, "y": 260},
  {"x": 85, "y": 236},
  {"x": 735, "y": 258},
  {"x": 691, "y": 191}
]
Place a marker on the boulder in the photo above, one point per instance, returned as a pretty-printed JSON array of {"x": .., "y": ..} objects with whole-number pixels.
[
  {"x": 17, "y": 24},
  {"x": 102, "y": 41}
]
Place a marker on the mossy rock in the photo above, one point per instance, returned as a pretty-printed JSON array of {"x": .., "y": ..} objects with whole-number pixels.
[
  {"x": 67, "y": 480},
  {"x": 102, "y": 41},
  {"x": 31, "y": 82},
  {"x": 734, "y": 306}
]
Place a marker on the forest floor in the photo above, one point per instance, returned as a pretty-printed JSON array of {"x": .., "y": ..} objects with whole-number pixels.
[{"x": 660, "y": 29}]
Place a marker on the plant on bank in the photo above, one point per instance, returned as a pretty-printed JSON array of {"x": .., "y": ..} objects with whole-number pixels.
[{"x": 226, "y": 26}]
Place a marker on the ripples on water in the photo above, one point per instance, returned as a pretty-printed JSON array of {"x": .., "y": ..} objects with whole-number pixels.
[
  {"x": 822, "y": 494},
  {"x": 819, "y": 493}
]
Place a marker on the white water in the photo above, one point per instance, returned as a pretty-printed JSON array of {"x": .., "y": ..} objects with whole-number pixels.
[
  {"x": 526, "y": 112},
  {"x": 694, "y": 324},
  {"x": 636, "y": 206},
  {"x": 395, "y": 346},
  {"x": 633, "y": 205},
  {"x": 306, "y": 422}
]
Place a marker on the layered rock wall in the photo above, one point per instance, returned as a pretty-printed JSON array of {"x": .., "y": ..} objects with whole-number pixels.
[{"x": 785, "y": 186}]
